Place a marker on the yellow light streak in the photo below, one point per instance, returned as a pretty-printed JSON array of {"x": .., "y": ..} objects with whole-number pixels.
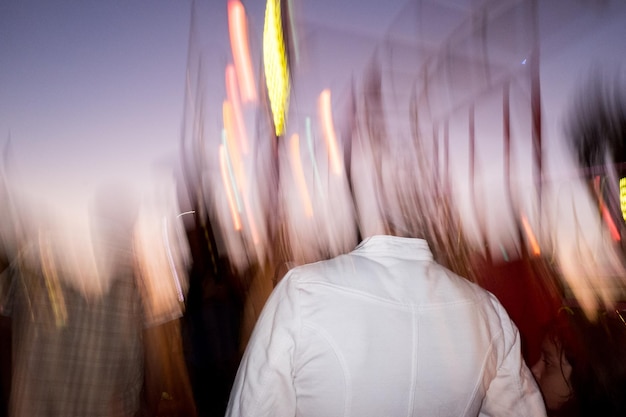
[{"x": 275, "y": 64}]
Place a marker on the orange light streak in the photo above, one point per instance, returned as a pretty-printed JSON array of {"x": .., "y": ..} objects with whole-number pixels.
[
  {"x": 229, "y": 191},
  {"x": 238, "y": 30},
  {"x": 298, "y": 172},
  {"x": 610, "y": 223},
  {"x": 326, "y": 117},
  {"x": 232, "y": 92},
  {"x": 531, "y": 236},
  {"x": 231, "y": 141},
  {"x": 606, "y": 215}
]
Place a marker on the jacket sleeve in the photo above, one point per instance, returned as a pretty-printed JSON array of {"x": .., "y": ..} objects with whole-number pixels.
[
  {"x": 264, "y": 382},
  {"x": 513, "y": 392}
]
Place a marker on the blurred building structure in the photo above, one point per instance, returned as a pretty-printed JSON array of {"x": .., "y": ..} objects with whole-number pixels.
[{"x": 438, "y": 118}]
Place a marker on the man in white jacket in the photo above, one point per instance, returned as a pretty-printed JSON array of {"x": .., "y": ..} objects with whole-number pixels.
[{"x": 383, "y": 331}]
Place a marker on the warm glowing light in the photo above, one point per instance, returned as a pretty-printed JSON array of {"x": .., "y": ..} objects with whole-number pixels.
[
  {"x": 275, "y": 64},
  {"x": 158, "y": 265},
  {"x": 238, "y": 29},
  {"x": 172, "y": 263},
  {"x": 227, "y": 187},
  {"x": 531, "y": 236},
  {"x": 231, "y": 174},
  {"x": 298, "y": 173},
  {"x": 232, "y": 92},
  {"x": 608, "y": 219},
  {"x": 606, "y": 215},
  {"x": 231, "y": 143},
  {"x": 326, "y": 118}
]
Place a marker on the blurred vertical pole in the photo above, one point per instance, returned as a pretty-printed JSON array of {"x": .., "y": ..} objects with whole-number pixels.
[
  {"x": 436, "y": 155},
  {"x": 276, "y": 59},
  {"x": 472, "y": 178},
  {"x": 472, "y": 151},
  {"x": 272, "y": 190},
  {"x": 446, "y": 160},
  {"x": 438, "y": 180},
  {"x": 190, "y": 181},
  {"x": 506, "y": 133},
  {"x": 535, "y": 103},
  {"x": 347, "y": 154}
]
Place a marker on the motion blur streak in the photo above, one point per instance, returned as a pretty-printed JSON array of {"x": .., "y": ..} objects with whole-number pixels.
[
  {"x": 536, "y": 250},
  {"x": 237, "y": 27},
  {"x": 254, "y": 231},
  {"x": 309, "y": 141},
  {"x": 227, "y": 187},
  {"x": 231, "y": 144},
  {"x": 231, "y": 174},
  {"x": 232, "y": 92},
  {"x": 170, "y": 259},
  {"x": 298, "y": 172},
  {"x": 275, "y": 64},
  {"x": 326, "y": 118},
  {"x": 606, "y": 215}
]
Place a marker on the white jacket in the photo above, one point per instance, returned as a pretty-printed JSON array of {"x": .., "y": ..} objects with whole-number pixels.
[{"x": 383, "y": 331}]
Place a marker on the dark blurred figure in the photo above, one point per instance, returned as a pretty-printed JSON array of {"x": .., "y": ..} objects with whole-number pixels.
[
  {"x": 77, "y": 332},
  {"x": 582, "y": 368},
  {"x": 211, "y": 324},
  {"x": 596, "y": 128},
  {"x": 596, "y": 133}
]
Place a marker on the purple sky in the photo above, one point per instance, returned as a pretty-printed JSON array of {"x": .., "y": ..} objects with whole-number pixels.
[
  {"x": 90, "y": 91},
  {"x": 93, "y": 91}
]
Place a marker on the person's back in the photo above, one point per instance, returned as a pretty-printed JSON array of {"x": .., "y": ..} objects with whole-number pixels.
[{"x": 381, "y": 331}]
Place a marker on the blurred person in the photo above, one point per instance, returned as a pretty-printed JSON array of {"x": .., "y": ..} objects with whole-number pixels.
[
  {"x": 595, "y": 131},
  {"x": 211, "y": 324},
  {"x": 78, "y": 330},
  {"x": 582, "y": 371},
  {"x": 383, "y": 330}
]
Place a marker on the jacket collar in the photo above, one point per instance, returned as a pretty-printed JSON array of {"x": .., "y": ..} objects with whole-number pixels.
[{"x": 398, "y": 247}]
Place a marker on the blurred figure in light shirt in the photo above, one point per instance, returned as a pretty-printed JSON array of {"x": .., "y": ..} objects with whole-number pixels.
[{"x": 383, "y": 331}]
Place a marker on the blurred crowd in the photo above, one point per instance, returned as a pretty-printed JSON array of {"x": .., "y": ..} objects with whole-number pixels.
[{"x": 284, "y": 288}]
